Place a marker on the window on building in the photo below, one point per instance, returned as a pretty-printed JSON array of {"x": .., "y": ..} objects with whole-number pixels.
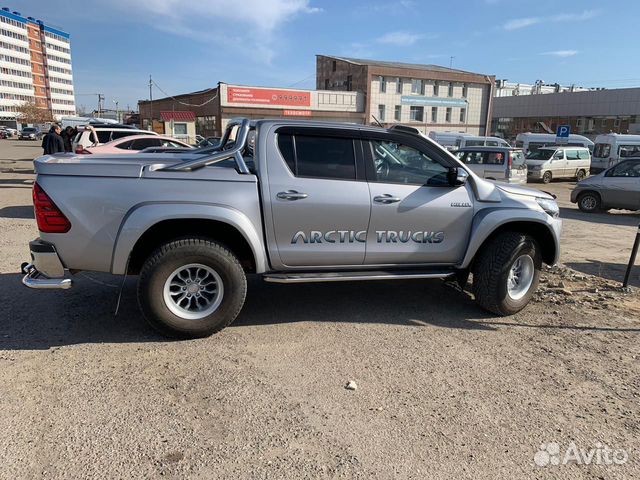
[
  {"x": 349, "y": 82},
  {"x": 333, "y": 66},
  {"x": 579, "y": 122},
  {"x": 326, "y": 84},
  {"x": 397, "y": 113},
  {"x": 464, "y": 90},
  {"x": 381, "y": 113},
  {"x": 450, "y": 90},
  {"x": 180, "y": 129},
  {"x": 398, "y": 85},
  {"x": 436, "y": 89},
  {"x": 616, "y": 123},
  {"x": 434, "y": 114},
  {"x": 603, "y": 122},
  {"x": 417, "y": 86},
  {"x": 447, "y": 118},
  {"x": 416, "y": 114},
  {"x": 383, "y": 84},
  {"x": 463, "y": 115}
]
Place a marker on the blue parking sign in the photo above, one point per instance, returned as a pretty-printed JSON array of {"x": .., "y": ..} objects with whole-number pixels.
[{"x": 563, "y": 131}]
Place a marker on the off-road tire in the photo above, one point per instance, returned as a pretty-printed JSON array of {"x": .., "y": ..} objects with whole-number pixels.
[
  {"x": 165, "y": 260},
  {"x": 491, "y": 272},
  {"x": 547, "y": 177},
  {"x": 580, "y": 175},
  {"x": 589, "y": 202}
]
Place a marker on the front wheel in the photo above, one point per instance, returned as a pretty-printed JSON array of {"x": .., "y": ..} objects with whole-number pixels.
[
  {"x": 191, "y": 288},
  {"x": 547, "y": 177},
  {"x": 506, "y": 273}
]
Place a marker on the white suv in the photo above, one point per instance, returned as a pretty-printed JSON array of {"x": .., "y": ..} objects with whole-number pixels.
[{"x": 91, "y": 136}]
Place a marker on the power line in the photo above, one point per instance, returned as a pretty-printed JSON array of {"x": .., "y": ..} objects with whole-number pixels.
[
  {"x": 302, "y": 81},
  {"x": 180, "y": 101}
]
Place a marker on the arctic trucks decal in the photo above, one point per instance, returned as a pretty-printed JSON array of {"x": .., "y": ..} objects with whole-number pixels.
[{"x": 382, "y": 236}]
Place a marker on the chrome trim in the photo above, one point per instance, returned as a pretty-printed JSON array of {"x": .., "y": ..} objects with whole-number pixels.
[
  {"x": 33, "y": 279},
  {"x": 350, "y": 277},
  {"x": 244, "y": 126}
]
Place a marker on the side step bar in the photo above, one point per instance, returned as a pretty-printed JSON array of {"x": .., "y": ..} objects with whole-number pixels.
[{"x": 353, "y": 276}]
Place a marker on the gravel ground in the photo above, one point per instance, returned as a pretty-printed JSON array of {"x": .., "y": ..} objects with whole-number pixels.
[{"x": 443, "y": 389}]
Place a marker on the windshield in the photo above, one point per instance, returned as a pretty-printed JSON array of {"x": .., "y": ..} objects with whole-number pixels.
[
  {"x": 541, "y": 154},
  {"x": 29, "y": 130}
]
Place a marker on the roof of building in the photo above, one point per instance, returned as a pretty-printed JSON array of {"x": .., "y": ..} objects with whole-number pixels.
[
  {"x": 182, "y": 95},
  {"x": 179, "y": 116},
  {"x": 414, "y": 66}
]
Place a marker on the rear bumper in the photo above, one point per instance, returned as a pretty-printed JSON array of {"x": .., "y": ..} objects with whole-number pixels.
[{"x": 45, "y": 270}]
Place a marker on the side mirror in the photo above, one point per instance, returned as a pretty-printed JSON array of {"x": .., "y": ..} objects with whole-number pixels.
[{"x": 457, "y": 176}]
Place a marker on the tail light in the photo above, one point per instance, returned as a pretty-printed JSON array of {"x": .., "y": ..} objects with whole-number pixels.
[
  {"x": 81, "y": 150},
  {"x": 50, "y": 218}
]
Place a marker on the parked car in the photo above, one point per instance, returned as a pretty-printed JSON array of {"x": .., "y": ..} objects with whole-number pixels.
[
  {"x": 530, "y": 142},
  {"x": 547, "y": 163},
  {"x": 315, "y": 202},
  {"x": 503, "y": 164},
  {"x": 208, "y": 142},
  {"x": 30, "y": 133},
  {"x": 134, "y": 144},
  {"x": 616, "y": 187},
  {"x": 11, "y": 132},
  {"x": 94, "y": 135},
  {"x": 612, "y": 148}
]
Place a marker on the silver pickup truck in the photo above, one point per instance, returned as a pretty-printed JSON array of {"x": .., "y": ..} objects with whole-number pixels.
[{"x": 292, "y": 201}]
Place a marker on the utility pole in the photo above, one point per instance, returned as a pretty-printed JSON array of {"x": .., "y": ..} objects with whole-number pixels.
[
  {"x": 117, "y": 112},
  {"x": 100, "y": 103},
  {"x": 451, "y": 62},
  {"x": 150, "y": 103}
]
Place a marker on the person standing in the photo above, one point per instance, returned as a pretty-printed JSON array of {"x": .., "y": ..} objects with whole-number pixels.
[
  {"x": 52, "y": 142},
  {"x": 67, "y": 138}
]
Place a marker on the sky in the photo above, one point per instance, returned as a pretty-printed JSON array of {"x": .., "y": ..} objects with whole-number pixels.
[{"x": 189, "y": 45}]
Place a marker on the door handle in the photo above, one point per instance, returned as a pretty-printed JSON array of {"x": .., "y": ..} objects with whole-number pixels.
[
  {"x": 291, "y": 195},
  {"x": 386, "y": 199}
]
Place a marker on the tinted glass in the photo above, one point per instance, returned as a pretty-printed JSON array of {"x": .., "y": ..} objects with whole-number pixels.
[
  {"x": 626, "y": 169},
  {"x": 541, "y": 154},
  {"x": 125, "y": 145},
  {"x": 104, "y": 136},
  {"x": 602, "y": 150},
  {"x": 142, "y": 143},
  {"x": 397, "y": 163},
  {"x": 285, "y": 144},
  {"x": 325, "y": 157}
]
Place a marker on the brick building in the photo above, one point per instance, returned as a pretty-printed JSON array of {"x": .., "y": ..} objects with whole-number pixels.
[{"x": 428, "y": 97}]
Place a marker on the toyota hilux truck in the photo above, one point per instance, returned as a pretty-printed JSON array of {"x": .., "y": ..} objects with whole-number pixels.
[{"x": 291, "y": 201}]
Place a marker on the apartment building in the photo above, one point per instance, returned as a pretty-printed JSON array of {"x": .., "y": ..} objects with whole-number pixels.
[{"x": 35, "y": 66}]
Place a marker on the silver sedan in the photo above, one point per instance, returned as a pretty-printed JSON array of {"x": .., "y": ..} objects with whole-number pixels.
[{"x": 616, "y": 187}]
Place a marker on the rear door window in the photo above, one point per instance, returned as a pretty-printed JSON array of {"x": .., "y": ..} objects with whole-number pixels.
[
  {"x": 125, "y": 145},
  {"x": 602, "y": 150},
  {"x": 325, "y": 157},
  {"x": 583, "y": 154},
  {"x": 517, "y": 158},
  {"x": 142, "y": 143}
]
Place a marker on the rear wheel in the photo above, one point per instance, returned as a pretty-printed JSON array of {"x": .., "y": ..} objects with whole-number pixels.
[
  {"x": 547, "y": 177},
  {"x": 191, "y": 288},
  {"x": 589, "y": 202},
  {"x": 506, "y": 273},
  {"x": 580, "y": 175}
]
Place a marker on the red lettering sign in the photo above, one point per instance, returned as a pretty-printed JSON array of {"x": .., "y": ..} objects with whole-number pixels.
[
  {"x": 268, "y": 96},
  {"x": 296, "y": 113}
]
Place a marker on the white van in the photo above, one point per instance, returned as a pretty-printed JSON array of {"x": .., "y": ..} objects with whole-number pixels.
[
  {"x": 547, "y": 163},
  {"x": 612, "y": 148},
  {"x": 456, "y": 140},
  {"x": 530, "y": 142}
]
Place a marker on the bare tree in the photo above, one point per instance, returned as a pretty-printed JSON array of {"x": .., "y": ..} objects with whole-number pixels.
[{"x": 30, "y": 112}]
